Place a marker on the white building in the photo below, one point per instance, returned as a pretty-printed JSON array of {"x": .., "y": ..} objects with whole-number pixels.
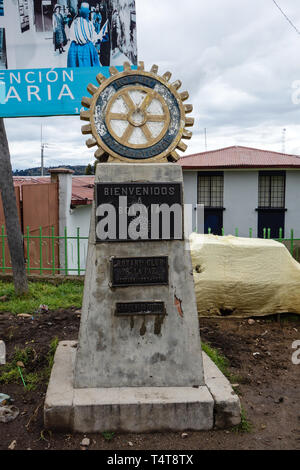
[{"x": 246, "y": 189}]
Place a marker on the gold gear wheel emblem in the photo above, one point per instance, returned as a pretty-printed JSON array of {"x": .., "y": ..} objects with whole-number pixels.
[{"x": 136, "y": 116}]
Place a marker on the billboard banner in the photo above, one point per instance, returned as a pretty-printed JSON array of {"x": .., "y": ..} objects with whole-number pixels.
[{"x": 51, "y": 49}]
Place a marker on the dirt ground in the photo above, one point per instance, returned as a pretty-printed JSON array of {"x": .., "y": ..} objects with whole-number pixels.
[{"x": 268, "y": 385}]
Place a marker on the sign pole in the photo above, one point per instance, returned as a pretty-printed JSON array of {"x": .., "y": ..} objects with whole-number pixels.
[{"x": 13, "y": 229}]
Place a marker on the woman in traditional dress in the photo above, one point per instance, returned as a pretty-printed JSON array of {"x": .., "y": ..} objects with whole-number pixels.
[
  {"x": 59, "y": 34},
  {"x": 82, "y": 52}
]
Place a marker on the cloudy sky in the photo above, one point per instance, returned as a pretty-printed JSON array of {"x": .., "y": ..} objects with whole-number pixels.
[{"x": 239, "y": 60}]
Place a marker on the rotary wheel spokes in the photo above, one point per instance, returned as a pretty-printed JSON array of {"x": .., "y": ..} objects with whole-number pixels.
[{"x": 137, "y": 116}]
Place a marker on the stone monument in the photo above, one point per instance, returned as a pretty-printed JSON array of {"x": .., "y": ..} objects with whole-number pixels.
[{"x": 138, "y": 364}]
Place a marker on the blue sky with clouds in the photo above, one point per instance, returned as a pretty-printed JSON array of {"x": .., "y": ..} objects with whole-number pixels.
[{"x": 238, "y": 59}]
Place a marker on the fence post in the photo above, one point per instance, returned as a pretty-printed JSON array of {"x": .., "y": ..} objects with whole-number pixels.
[
  {"x": 78, "y": 250},
  {"x": 264, "y": 232},
  {"x": 209, "y": 230},
  {"x": 292, "y": 242},
  {"x": 53, "y": 250},
  {"x": 3, "y": 248},
  {"x": 236, "y": 232},
  {"x": 280, "y": 234},
  {"x": 250, "y": 232},
  {"x": 66, "y": 252},
  {"x": 41, "y": 251},
  {"x": 269, "y": 233},
  {"x": 28, "y": 249}
]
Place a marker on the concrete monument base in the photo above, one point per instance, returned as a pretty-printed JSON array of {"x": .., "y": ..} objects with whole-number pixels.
[{"x": 136, "y": 409}]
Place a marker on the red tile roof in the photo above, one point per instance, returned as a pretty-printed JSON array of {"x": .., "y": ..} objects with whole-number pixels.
[
  {"x": 239, "y": 157},
  {"x": 82, "y": 190}
]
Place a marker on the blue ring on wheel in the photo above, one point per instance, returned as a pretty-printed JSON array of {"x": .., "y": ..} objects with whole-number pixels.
[{"x": 123, "y": 150}]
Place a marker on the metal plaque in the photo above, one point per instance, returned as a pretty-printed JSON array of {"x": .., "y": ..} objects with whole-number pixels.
[
  {"x": 139, "y": 271},
  {"x": 139, "y": 211},
  {"x": 139, "y": 308}
]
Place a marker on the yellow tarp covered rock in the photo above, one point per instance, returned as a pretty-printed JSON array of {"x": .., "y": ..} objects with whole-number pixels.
[{"x": 244, "y": 276}]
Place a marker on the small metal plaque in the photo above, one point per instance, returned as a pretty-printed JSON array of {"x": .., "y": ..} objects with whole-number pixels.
[
  {"x": 138, "y": 271},
  {"x": 139, "y": 308}
]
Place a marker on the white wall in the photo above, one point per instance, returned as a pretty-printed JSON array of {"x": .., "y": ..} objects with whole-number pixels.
[
  {"x": 240, "y": 202},
  {"x": 190, "y": 196},
  {"x": 292, "y": 203},
  {"x": 78, "y": 218},
  {"x": 71, "y": 219}
]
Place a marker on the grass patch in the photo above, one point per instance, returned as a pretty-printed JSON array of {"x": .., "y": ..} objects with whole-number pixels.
[
  {"x": 221, "y": 361},
  {"x": 50, "y": 358},
  {"x": 33, "y": 376},
  {"x": 223, "y": 364},
  {"x": 280, "y": 317},
  {"x": 245, "y": 425},
  {"x": 64, "y": 295},
  {"x": 108, "y": 436}
]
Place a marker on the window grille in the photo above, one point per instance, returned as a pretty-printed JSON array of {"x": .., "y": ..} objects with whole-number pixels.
[
  {"x": 271, "y": 190},
  {"x": 210, "y": 189}
]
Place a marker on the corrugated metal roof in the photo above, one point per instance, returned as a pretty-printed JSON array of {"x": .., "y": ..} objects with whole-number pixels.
[
  {"x": 82, "y": 186},
  {"x": 239, "y": 157}
]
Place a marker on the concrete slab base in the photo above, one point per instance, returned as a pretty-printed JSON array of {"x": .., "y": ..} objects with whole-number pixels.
[{"x": 136, "y": 409}]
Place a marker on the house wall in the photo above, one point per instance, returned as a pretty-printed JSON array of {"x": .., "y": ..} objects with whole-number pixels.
[
  {"x": 190, "y": 197},
  {"x": 292, "y": 203},
  {"x": 240, "y": 202}
]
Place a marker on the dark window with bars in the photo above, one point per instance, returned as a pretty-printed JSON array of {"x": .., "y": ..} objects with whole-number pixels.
[
  {"x": 271, "y": 190},
  {"x": 210, "y": 189}
]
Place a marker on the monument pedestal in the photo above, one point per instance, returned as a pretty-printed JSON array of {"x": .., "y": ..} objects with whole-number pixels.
[
  {"x": 138, "y": 365},
  {"x": 136, "y": 409}
]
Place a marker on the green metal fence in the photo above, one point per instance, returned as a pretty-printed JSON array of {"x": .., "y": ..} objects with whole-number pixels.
[
  {"x": 54, "y": 254},
  {"x": 48, "y": 253}
]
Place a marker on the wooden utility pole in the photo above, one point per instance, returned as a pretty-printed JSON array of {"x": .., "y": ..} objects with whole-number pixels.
[{"x": 13, "y": 229}]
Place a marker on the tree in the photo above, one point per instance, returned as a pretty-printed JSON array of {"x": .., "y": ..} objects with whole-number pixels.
[
  {"x": 94, "y": 166},
  {"x": 89, "y": 170},
  {"x": 13, "y": 229}
]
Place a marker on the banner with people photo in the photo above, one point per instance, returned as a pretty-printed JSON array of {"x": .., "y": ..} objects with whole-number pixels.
[{"x": 50, "y": 50}]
